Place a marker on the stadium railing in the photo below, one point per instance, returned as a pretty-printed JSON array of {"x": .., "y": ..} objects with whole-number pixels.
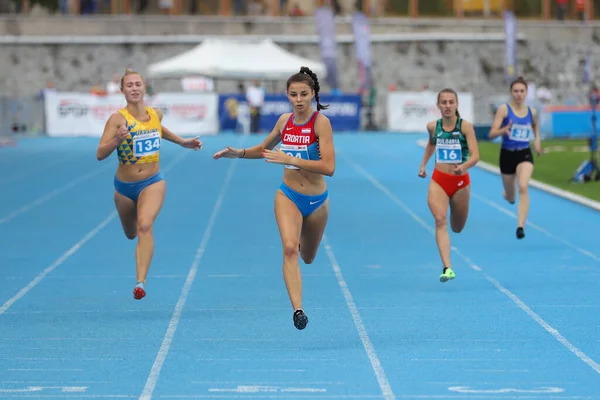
[{"x": 529, "y": 9}]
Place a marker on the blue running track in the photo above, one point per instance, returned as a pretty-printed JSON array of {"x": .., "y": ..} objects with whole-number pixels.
[{"x": 520, "y": 321}]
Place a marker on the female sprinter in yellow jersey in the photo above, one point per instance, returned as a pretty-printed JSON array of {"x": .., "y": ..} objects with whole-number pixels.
[
  {"x": 455, "y": 145},
  {"x": 301, "y": 203},
  {"x": 136, "y": 133}
]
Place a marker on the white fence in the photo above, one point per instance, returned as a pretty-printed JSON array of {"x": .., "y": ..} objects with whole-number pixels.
[
  {"x": 82, "y": 114},
  {"x": 85, "y": 114},
  {"x": 410, "y": 112}
]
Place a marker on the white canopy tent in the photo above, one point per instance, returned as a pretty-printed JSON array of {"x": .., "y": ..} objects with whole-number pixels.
[{"x": 235, "y": 59}]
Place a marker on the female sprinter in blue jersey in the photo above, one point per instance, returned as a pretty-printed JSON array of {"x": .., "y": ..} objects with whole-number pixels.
[
  {"x": 518, "y": 125},
  {"x": 301, "y": 203},
  {"x": 453, "y": 141},
  {"x": 136, "y": 133}
]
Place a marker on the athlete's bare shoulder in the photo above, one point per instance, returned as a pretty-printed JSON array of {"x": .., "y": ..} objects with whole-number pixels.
[
  {"x": 285, "y": 116},
  {"x": 431, "y": 126},
  {"x": 533, "y": 112},
  {"x": 502, "y": 110},
  {"x": 323, "y": 117},
  {"x": 467, "y": 124},
  {"x": 116, "y": 118},
  {"x": 159, "y": 113}
]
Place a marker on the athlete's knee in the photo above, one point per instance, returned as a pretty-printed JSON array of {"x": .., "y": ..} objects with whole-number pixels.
[
  {"x": 458, "y": 227},
  {"x": 130, "y": 235},
  {"x": 290, "y": 249},
  {"x": 130, "y": 228},
  {"x": 308, "y": 256},
  {"x": 523, "y": 188},
  {"x": 509, "y": 196},
  {"x": 144, "y": 226},
  {"x": 440, "y": 220}
]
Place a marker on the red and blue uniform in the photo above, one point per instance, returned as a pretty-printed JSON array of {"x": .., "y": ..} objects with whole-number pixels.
[{"x": 301, "y": 141}]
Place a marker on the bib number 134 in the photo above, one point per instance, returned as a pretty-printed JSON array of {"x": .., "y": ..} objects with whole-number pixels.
[{"x": 148, "y": 146}]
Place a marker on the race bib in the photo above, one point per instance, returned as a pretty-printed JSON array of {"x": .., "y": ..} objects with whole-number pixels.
[
  {"x": 520, "y": 133},
  {"x": 448, "y": 153},
  {"x": 292, "y": 150},
  {"x": 146, "y": 144}
]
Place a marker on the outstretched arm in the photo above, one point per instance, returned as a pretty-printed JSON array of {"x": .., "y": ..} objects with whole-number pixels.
[
  {"x": 255, "y": 152},
  {"x": 167, "y": 134},
  {"x": 270, "y": 141},
  {"x": 170, "y": 136}
]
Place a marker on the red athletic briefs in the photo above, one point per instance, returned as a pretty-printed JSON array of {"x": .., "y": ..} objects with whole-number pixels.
[{"x": 451, "y": 183}]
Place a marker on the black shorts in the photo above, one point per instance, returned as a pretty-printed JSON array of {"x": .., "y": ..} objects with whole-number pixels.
[{"x": 509, "y": 159}]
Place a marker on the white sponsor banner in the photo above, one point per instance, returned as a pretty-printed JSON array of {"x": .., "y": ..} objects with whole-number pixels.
[
  {"x": 83, "y": 114},
  {"x": 411, "y": 111}
]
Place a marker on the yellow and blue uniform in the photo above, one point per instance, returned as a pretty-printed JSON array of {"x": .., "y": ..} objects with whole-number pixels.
[{"x": 142, "y": 146}]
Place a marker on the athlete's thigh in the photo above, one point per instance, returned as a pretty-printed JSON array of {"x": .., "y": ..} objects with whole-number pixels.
[
  {"x": 289, "y": 221},
  {"x": 508, "y": 180},
  {"x": 127, "y": 210},
  {"x": 437, "y": 200},
  {"x": 524, "y": 172},
  {"x": 459, "y": 208},
  {"x": 150, "y": 202},
  {"x": 313, "y": 228},
  {"x": 507, "y": 171}
]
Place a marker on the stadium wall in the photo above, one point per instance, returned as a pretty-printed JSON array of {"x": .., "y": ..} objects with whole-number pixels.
[{"x": 467, "y": 56}]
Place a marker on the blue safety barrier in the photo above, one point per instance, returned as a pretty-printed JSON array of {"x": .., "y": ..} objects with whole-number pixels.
[{"x": 344, "y": 111}]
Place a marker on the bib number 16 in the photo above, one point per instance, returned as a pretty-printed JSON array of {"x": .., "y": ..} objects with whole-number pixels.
[{"x": 449, "y": 155}]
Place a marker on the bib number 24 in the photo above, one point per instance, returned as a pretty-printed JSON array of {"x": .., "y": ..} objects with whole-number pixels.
[{"x": 297, "y": 154}]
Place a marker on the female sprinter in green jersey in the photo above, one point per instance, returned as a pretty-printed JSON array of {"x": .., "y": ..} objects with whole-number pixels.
[{"x": 453, "y": 141}]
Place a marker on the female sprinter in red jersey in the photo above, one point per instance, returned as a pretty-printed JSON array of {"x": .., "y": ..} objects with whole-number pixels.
[
  {"x": 455, "y": 145},
  {"x": 301, "y": 203},
  {"x": 136, "y": 132}
]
